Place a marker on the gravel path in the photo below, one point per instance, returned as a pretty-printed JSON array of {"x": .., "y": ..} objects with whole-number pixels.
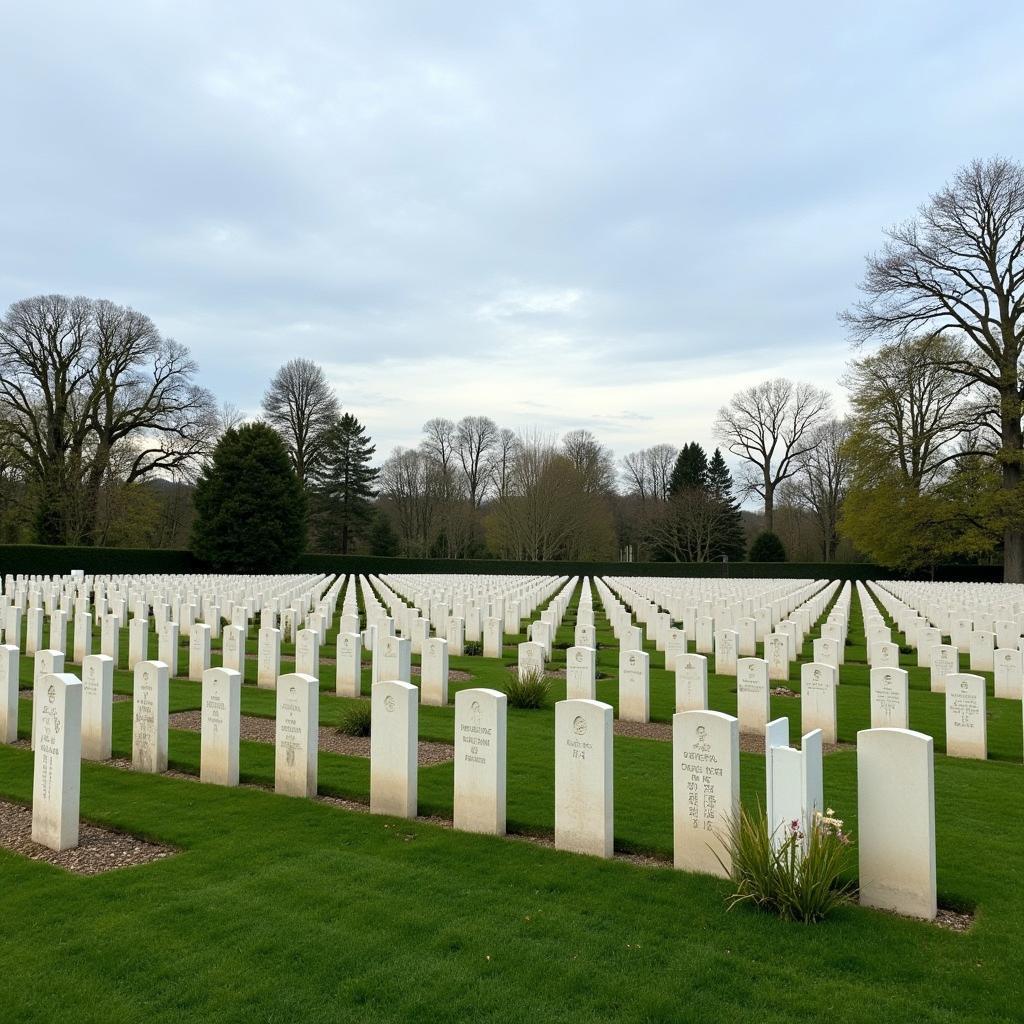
[
  {"x": 98, "y": 850},
  {"x": 262, "y": 730}
]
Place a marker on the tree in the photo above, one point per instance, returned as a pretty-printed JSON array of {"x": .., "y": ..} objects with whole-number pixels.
[
  {"x": 593, "y": 462},
  {"x": 769, "y": 426},
  {"x": 690, "y": 471},
  {"x": 93, "y": 397},
  {"x": 411, "y": 491},
  {"x": 383, "y": 539},
  {"x": 344, "y": 480},
  {"x": 646, "y": 473},
  {"x": 957, "y": 269},
  {"x": 250, "y": 505},
  {"x": 728, "y": 539},
  {"x": 476, "y": 437},
  {"x": 302, "y": 407},
  {"x": 821, "y": 484},
  {"x": 767, "y": 548}
]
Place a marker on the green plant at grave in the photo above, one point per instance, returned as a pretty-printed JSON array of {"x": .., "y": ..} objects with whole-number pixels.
[
  {"x": 473, "y": 647},
  {"x": 355, "y": 720},
  {"x": 529, "y": 690},
  {"x": 797, "y": 875}
]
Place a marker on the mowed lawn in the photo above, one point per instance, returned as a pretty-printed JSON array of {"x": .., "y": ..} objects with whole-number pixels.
[{"x": 280, "y": 909}]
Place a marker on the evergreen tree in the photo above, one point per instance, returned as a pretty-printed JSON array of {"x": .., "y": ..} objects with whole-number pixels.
[
  {"x": 690, "y": 471},
  {"x": 344, "y": 481},
  {"x": 250, "y": 506},
  {"x": 728, "y": 539},
  {"x": 383, "y": 539},
  {"x": 767, "y": 548}
]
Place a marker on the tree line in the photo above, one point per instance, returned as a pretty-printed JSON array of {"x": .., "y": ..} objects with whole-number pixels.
[{"x": 108, "y": 438}]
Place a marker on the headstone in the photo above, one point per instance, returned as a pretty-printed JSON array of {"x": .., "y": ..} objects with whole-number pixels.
[
  {"x": 945, "y": 661},
  {"x": 896, "y": 823},
  {"x": 97, "y": 706},
  {"x": 584, "y": 811},
  {"x": 480, "y": 760},
  {"x": 44, "y": 663},
  {"x": 9, "y": 687},
  {"x": 966, "y": 716},
  {"x": 434, "y": 673},
  {"x": 167, "y": 646},
  {"x": 818, "y": 700},
  {"x": 890, "y": 705},
  {"x": 393, "y": 748},
  {"x": 307, "y": 653},
  {"x": 752, "y": 695},
  {"x": 83, "y": 636},
  {"x": 884, "y": 654},
  {"x": 531, "y": 658},
  {"x": 634, "y": 686},
  {"x": 395, "y": 659},
  {"x": 268, "y": 657},
  {"x": 705, "y": 789},
  {"x": 57, "y": 769},
  {"x": 705, "y": 627},
  {"x": 777, "y": 654},
  {"x": 1009, "y": 676},
  {"x": 348, "y": 666},
  {"x": 33, "y": 631},
  {"x": 983, "y": 645},
  {"x": 297, "y": 735},
  {"x": 581, "y": 673},
  {"x": 493, "y": 637},
  {"x": 726, "y": 644},
  {"x": 110, "y": 639},
  {"x": 221, "y": 714},
  {"x": 675, "y": 645},
  {"x": 691, "y": 682},
  {"x": 198, "y": 652},
  {"x": 826, "y": 652},
  {"x": 455, "y": 633},
  {"x": 149, "y": 718},
  {"x": 138, "y": 642},
  {"x": 585, "y": 636},
  {"x": 233, "y": 649}
]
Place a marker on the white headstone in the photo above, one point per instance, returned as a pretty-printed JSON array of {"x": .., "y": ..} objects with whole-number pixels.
[
  {"x": 890, "y": 706},
  {"x": 149, "y": 719},
  {"x": 167, "y": 646},
  {"x": 97, "y": 706},
  {"x": 9, "y": 688},
  {"x": 896, "y": 823},
  {"x": 268, "y": 656},
  {"x": 434, "y": 673},
  {"x": 581, "y": 673},
  {"x": 818, "y": 700},
  {"x": 233, "y": 649},
  {"x": 752, "y": 695},
  {"x": 297, "y": 734},
  {"x": 480, "y": 753},
  {"x": 307, "y": 653},
  {"x": 393, "y": 748},
  {"x": 705, "y": 789},
  {"x": 691, "y": 682},
  {"x": 584, "y": 812},
  {"x": 348, "y": 665},
  {"x": 221, "y": 722},
  {"x": 634, "y": 686},
  {"x": 1009, "y": 674},
  {"x": 966, "y": 716},
  {"x": 198, "y": 651},
  {"x": 57, "y": 769}
]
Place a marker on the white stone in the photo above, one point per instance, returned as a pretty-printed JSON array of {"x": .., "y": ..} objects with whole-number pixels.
[
  {"x": 348, "y": 665},
  {"x": 884, "y": 654},
  {"x": 198, "y": 651},
  {"x": 167, "y": 646},
  {"x": 585, "y": 636},
  {"x": 480, "y": 760},
  {"x": 945, "y": 661},
  {"x": 752, "y": 695},
  {"x": 57, "y": 768},
  {"x": 221, "y": 722},
  {"x": 493, "y": 637},
  {"x": 581, "y": 673},
  {"x": 726, "y": 649},
  {"x": 777, "y": 655},
  {"x": 890, "y": 702},
  {"x": 531, "y": 658},
  {"x": 59, "y": 632},
  {"x": 393, "y": 748},
  {"x": 983, "y": 645},
  {"x": 896, "y": 823},
  {"x": 307, "y": 653},
  {"x": 705, "y": 789},
  {"x": 83, "y": 636},
  {"x": 395, "y": 659},
  {"x": 297, "y": 735},
  {"x": 268, "y": 657},
  {"x": 634, "y": 686},
  {"x": 818, "y": 700},
  {"x": 584, "y": 810},
  {"x": 44, "y": 663},
  {"x": 9, "y": 688},
  {"x": 151, "y": 690},
  {"x": 97, "y": 706},
  {"x": 138, "y": 642},
  {"x": 455, "y": 633},
  {"x": 33, "y": 631},
  {"x": 1009, "y": 674},
  {"x": 675, "y": 645},
  {"x": 966, "y": 716},
  {"x": 826, "y": 651},
  {"x": 691, "y": 682},
  {"x": 232, "y": 649},
  {"x": 434, "y": 673},
  {"x": 705, "y": 634}
]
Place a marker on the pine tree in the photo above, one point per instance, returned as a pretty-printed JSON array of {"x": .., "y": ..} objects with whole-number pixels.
[
  {"x": 690, "y": 471},
  {"x": 344, "y": 481},
  {"x": 767, "y": 547},
  {"x": 728, "y": 539},
  {"x": 383, "y": 539},
  {"x": 250, "y": 507}
]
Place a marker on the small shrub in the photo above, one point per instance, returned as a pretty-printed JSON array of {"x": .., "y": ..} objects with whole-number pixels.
[
  {"x": 531, "y": 690},
  {"x": 355, "y": 721},
  {"x": 797, "y": 879},
  {"x": 767, "y": 547},
  {"x": 473, "y": 647}
]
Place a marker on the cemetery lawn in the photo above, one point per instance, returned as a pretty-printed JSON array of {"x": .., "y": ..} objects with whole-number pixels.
[{"x": 280, "y": 909}]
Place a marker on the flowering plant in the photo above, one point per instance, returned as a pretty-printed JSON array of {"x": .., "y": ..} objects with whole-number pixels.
[{"x": 795, "y": 872}]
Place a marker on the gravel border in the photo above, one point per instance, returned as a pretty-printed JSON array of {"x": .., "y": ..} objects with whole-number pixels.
[
  {"x": 263, "y": 730},
  {"x": 749, "y": 743},
  {"x": 99, "y": 849}
]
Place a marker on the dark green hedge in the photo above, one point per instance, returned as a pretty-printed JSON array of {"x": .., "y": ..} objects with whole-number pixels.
[{"x": 38, "y": 559}]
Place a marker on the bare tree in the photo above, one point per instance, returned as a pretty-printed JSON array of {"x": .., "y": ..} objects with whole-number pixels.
[
  {"x": 408, "y": 484},
  {"x": 439, "y": 443},
  {"x": 769, "y": 427},
  {"x": 646, "y": 473},
  {"x": 592, "y": 460},
  {"x": 92, "y": 395},
  {"x": 302, "y": 407},
  {"x": 821, "y": 483},
  {"x": 475, "y": 439},
  {"x": 958, "y": 268},
  {"x": 502, "y": 461}
]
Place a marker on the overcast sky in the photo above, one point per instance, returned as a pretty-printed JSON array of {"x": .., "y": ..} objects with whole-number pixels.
[{"x": 565, "y": 214}]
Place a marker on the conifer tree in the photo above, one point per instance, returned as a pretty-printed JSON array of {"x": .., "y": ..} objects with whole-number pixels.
[
  {"x": 344, "y": 481},
  {"x": 728, "y": 535},
  {"x": 690, "y": 471}
]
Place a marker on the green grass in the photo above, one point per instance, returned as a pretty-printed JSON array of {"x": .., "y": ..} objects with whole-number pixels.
[{"x": 288, "y": 910}]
